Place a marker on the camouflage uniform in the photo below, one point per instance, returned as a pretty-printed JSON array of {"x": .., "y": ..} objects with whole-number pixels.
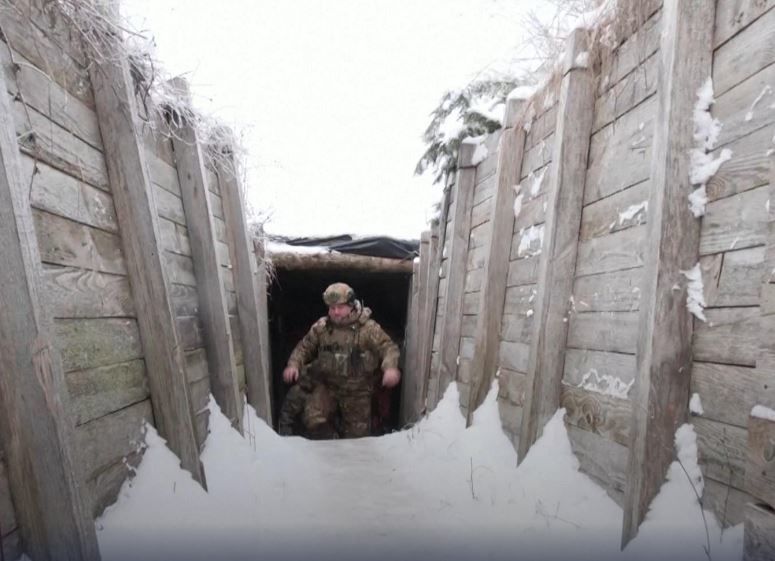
[
  {"x": 347, "y": 356},
  {"x": 308, "y": 408}
]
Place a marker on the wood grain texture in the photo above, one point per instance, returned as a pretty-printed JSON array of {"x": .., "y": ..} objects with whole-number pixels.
[
  {"x": 604, "y": 331},
  {"x": 579, "y": 363},
  {"x": 608, "y": 292},
  {"x": 730, "y": 336},
  {"x": 746, "y": 108},
  {"x": 622, "y": 250},
  {"x": 727, "y": 503},
  {"x": 759, "y": 533},
  {"x": 598, "y": 413},
  {"x": 602, "y": 459},
  {"x": 88, "y": 343},
  {"x": 728, "y": 393},
  {"x": 619, "y": 211},
  {"x": 733, "y": 278},
  {"x": 736, "y": 222},
  {"x": 760, "y": 469},
  {"x": 197, "y": 201},
  {"x": 256, "y": 357},
  {"x": 735, "y": 15},
  {"x": 35, "y": 430},
  {"x": 125, "y": 156},
  {"x": 409, "y": 389},
  {"x": 458, "y": 256},
  {"x": 745, "y": 54},
  {"x": 664, "y": 343},
  {"x": 493, "y": 293},
  {"x": 78, "y": 293},
  {"x": 627, "y": 93},
  {"x": 749, "y": 167},
  {"x": 721, "y": 451}
]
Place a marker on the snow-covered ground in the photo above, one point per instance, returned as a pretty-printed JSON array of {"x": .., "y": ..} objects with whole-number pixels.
[{"x": 437, "y": 491}]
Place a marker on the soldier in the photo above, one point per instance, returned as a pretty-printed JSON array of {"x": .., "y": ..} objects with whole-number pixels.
[
  {"x": 346, "y": 345},
  {"x": 308, "y": 408}
]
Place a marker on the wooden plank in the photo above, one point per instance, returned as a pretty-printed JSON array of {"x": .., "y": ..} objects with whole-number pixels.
[
  {"x": 616, "y": 252},
  {"x": 180, "y": 269},
  {"x": 733, "y": 278},
  {"x": 156, "y": 138},
  {"x": 88, "y": 343},
  {"x": 196, "y": 365},
  {"x": 512, "y": 386},
  {"x": 727, "y": 503},
  {"x": 604, "y": 331},
  {"x": 197, "y": 201},
  {"x": 638, "y": 44},
  {"x": 721, "y": 451},
  {"x": 516, "y": 328},
  {"x": 480, "y": 214},
  {"x": 601, "y": 364},
  {"x": 511, "y": 419},
  {"x": 62, "y": 194},
  {"x": 163, "y": 174},
  {"x": 409, "y": 385},
  {"x": 514, "y": 356},
  {"x": 7, "y": 514},
  {"x": 170, "y": 206},
  {"x": 474, "y": 280},
  {"x": 493, "y": 288},
  {"x": 760, "y": 469},
  {"x": 458, "y": 256},
  {"x": 746, "y": 108},
  {"x": 174, "y": 237},
  {"x": 48, "y": 142},
  {"x": 531, "y": 214},
  {"x": 598, "y": 413},
  {"x": 520, "y": 299},
  {"x": 49, "y": 98},
  {"x": 736, "y": 222},
  {"x": 534, "y": 159},
  {"x": 480, "y": 235},
  {"x": 664, "y": 328},
  {"x": 523, "y": 271},
  {"x": 749, "y": 167},
  {"x": 138, "y": 218},
  {"x": 414, "y": 374},
  {"x": 64, "y": 242},
  {"x": 608, "y": 292},
  {"x": 729, "y": 392},
  {"x": 627, "y": 93},
  {"x": 759, "y": 533},
  {"x": 730, "y": 336},
  {"x": 485, "y": 189},
  {"x": 99, "y": 391},
  {"x": 258, "y": 376},
  {"x": 239, "y": 357},
  {"x": 262, "y": 304},
  {"x": 620, "y": 153},
  {"x": 190, "y": 332},
  {"x": 106, "y": 440},
  {"x": 745, "y": 54},
  {"x": 732, "y": 16},
  {"x": 434, "y": 302},
  {"x": 620, "y": 211},
  {"x": 35, "y": 429},
  {"x": 528, "y": 242},
  {"x": 488, "y": 166},
  {"x": 79, "y": 293},
  {"x": 602, "y": 459}
]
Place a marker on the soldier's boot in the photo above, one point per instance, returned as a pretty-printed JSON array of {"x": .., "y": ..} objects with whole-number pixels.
[
  {"x": 319, "y": 413},
  {"x": 356, "y": 415},
  {"x": 292, "y": 407}
]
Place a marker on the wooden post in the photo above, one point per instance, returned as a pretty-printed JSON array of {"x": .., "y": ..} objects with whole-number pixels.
[
  {"x": 411, "y": 384},
  {"x": 36, "y": 431},
  {"x": 565, "y": 195},
  {"x": 418, "y": 364},
  {"x": 664, "y": 352},
  {"x": 431, "y": 298},
  {"x": 265, "y": 348},
  {"x": 141, "y": 239},
  {"x": 201, "y": 230},
  {"x": 456, "y": 275},
  {"x": 432, "y": 389},
  {"x": 246, "y": 285},
  {"x": 496, "y": 267}
]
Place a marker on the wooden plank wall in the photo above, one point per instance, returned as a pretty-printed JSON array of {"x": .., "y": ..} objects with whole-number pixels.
[
  {"x": 517, "y": 321},
  {"x": 179, "y": 265},
  {"x": 728, "y": 373},
  {"x": 478, "y": 244},
  {"x": 603, "y": 322},
  {"x": 85, "y": 277}
]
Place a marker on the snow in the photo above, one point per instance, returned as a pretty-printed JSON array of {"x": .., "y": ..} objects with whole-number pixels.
[
  {"x": 695, "y": 299},
  {"x": 437, "y": 490},
  {"x": 279, "y": 247},
  {"x": 582, "y": 60},
  {"x": 765, "y": 91},
  {"x": 592, "y": 19},
  {"x": 480, "y": 152},
  {"x": 695, "y": 405},
  {"x": 703, "y": 164},
  {"x": 537, "y": 181},
  {"x": 517, "y": 205},
  {"x": 452, "y": 125},
  {"x": 762, "y": 412},
  {"x": 522, "y": 92},
  {"x": 530, "y": 241},
  {"x": 632, "y": 211},
  {"x": 605, "y": 384}
]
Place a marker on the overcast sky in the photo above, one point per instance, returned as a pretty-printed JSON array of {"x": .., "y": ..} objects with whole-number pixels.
[{"x": 332, "y": 96}]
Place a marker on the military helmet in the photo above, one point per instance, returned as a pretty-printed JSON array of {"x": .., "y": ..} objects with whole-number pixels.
[{"x": 339, "y": 293}]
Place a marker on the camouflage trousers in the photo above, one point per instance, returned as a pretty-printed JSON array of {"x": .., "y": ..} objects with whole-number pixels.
[{"x": 314, "y": 412}]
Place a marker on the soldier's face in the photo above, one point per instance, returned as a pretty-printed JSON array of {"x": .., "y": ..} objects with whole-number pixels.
[{"x": 339, "y": 312}]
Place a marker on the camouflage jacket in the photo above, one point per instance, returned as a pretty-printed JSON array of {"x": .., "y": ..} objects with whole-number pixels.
[{"x": 347, "y": 355}]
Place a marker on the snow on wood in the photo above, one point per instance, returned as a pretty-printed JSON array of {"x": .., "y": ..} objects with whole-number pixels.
[
  {"x": 695, "y": 404},
  {"x": 762, "y": 412},
  {"x": 695, "y": 299}
]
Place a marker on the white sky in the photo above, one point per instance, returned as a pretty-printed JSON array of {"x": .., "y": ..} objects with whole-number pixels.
[{"x": 332, "y": 96}]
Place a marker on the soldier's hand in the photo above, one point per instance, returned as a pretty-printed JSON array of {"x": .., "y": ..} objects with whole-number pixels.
[
  {"x": 290, "y": 374},
  {"x": 391, "y": 377}
]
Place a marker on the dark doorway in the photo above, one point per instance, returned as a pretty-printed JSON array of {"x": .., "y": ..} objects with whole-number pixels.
[{"x": 295, "y": 303}]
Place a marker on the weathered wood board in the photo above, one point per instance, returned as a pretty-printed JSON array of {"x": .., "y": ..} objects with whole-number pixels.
[
  {"x": 615, "y": 252},
  {"x": 729, "y": 392},
  {"x": 759, "y": 534},
  {"x": 598, "y": 413},
  {"x": 760, "y": 466},
  {"x": 604, "y": 331},
  {"x": 733, "y": 278},
  {"x": 730, "y": 336}
]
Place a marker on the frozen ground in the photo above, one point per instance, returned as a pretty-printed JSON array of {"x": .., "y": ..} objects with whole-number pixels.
[{"x": 437, "y": 491}]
